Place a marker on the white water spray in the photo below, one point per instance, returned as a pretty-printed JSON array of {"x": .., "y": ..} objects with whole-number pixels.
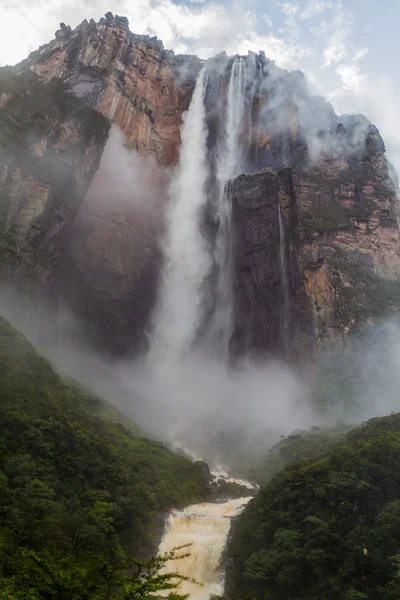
[
  {"x": 285, "y": 282},
  {"x": 187, "y": 258},
  {"x": 229, "y": 165}
]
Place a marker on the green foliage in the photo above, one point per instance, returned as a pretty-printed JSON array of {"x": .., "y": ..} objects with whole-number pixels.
[
  {"x": 365, "y": 295},
  {"x": 34, "y": 110},
  {"x": 108, "y": 576},
  {"x": 327, "y": 527},
  {"x": 297, "y": 447},
  {"x": 332, "y": 218},
  {"x": 73, "y": 485}
]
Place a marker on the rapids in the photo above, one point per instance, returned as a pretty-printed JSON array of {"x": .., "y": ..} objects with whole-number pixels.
[{"x": 206, "y": 526}]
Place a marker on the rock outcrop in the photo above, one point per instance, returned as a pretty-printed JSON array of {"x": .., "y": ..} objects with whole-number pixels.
[
  {"x": 317, "y": 247},
  {"x": 131, "y": 79},
  {"x": 338, "y": 243},
  {"x": 50, "y": 148}
]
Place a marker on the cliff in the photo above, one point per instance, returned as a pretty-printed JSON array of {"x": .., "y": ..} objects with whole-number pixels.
[
  {"x": 337, "y": 246},
  {"x": 109, "y": 273},
  {"x": 131, "y": 79},
  {"x": 316, "y": 250},
  {"x": 50, "y": 148}
]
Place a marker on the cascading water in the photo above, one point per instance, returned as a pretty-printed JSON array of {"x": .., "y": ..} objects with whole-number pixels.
[
  {"x": 190, "y": 259},
  {"x": 205, "y": 526},
  {"x": 229, "y": 164},
  {"x": 187, "y": 257},
  {"x": 285, "y": 281}
]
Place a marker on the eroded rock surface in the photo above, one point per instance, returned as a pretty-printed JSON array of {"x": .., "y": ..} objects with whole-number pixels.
[
  {"x": 131, "y": 79},
  {"x": 50, "y": 148},
  {"x": 341, "y": 249}
]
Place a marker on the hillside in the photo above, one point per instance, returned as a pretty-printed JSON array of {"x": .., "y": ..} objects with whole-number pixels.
[
  {"x": 328, "y": 527},
  {"x": 75, "y": 487},
  {"x": 296, "y": 447}
]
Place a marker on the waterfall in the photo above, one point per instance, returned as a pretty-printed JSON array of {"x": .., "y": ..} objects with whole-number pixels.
[
  {"x": 206, "y": 526},
  {"x": 229, "y": 164},
  {"x": 187, "y": 257},
  {"x": 284, "y": 278}
]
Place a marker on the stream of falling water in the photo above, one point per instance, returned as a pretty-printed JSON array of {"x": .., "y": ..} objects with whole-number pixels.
[
  {"x": 188, "y": 263},
  {"x": 285, "y": 283},
  {"x": 206, "y": 526},
  {"x": 187, "y": 259},
  {"x": 228, "y": 166}
]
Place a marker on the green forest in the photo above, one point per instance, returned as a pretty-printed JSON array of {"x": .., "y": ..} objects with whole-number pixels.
[
  {"x": 326, "y": 527},
  {"x": 79, "y": 494}
]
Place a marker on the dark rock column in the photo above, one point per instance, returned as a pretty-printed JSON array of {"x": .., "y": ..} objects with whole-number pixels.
[{"x": 258, "y": 284}]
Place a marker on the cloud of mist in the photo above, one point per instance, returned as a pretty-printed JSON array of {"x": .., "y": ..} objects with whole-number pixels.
[
  {"x": 190, "y": 402},
  {"x": 126, "y": 180},
  {"x": 363, "y": 381},
  {"x": 291, "y": 110},
  {"x": 219, "y": 413}
]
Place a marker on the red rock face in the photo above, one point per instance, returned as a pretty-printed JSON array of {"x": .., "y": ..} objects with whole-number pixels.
[
  {"x": 130, "y": 79},
  {"x": 110, "y": 268},
  {"x": 338, "y": 208},
  {"x": 342, "y": 253}
]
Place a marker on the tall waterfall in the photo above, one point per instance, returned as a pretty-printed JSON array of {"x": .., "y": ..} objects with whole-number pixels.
[
  {"x": 206, "y": 526},
  {"x": 284, "y": 277},
  {"x": 229, "y": 164},
  {"x": 190, "y": 257},
  {"x": 187, "y": 257}
]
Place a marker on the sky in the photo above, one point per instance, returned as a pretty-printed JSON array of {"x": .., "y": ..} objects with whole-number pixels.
[{"x": 348, "y": 49}]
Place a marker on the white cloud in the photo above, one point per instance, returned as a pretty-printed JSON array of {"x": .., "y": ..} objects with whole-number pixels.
[
  {"x": 376, "y": 98},
  {"x": 337, "y": 47},
  {"x": 352, "y": 80},
  {"x": 201, "y": 28},
  {"x": 290, "y": 11},
  {"x": 360, "y": 54},
  {"x": 315, "y": 7}
]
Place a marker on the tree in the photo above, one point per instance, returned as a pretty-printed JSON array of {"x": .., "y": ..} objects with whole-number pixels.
[{"x": 112, "y": 576}]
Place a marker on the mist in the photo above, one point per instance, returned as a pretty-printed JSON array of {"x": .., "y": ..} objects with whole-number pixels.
[
  {"x": 180, "y": 390},
  {"x": 127, "y": 180},
  {"x": 226, "y": 416}
]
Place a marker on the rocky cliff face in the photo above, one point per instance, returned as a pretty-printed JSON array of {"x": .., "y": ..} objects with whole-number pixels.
[
  {"x": 128, "y": 78},
  {"x": 50, "y": 148},
  {"x": 316, "y": 233},
  {"x": 110, "y": 268},
  {"x": 338, "y": 243}
]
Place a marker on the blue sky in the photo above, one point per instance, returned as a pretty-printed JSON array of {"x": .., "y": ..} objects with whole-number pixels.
[{"x": 348, "y": 48}]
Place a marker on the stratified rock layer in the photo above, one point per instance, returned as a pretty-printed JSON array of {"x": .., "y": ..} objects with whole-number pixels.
[
  {"x": 129, "y": 78},
  {"x": 341, "y": 251},
  {"x": 329, "y": 262}
]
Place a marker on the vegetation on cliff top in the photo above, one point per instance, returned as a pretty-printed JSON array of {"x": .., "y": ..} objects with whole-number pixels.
[
  {"x": 78, "y": 494},
  {"x": 327, "y": 527},
  {"x": 33, "y": 109},
  {"x": 296, "y": 447},
  {"x": 361, "y": 293}
]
